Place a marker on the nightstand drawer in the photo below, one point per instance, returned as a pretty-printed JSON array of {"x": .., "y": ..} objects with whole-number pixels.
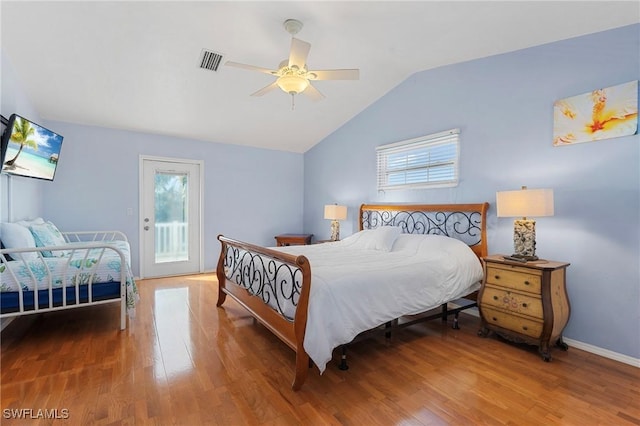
[
  {"x": 512, "y": 301},
  {"x": 517, "y": 280},
  {"x": 511, "y": 322}
]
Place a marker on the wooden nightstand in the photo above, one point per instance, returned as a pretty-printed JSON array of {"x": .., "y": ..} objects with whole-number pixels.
[
  {"x": 293, "y": 239},
  {"x": 525, "y": 302}
]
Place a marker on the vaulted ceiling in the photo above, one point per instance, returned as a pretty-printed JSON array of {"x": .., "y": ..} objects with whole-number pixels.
[{"x": 135, "y": 65}]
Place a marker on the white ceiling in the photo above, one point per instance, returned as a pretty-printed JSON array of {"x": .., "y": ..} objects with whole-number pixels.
[{"x": 134, "y": 65}]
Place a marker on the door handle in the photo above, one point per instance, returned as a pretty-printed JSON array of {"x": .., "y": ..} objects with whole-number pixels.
[{"x": 146, "y": 228}]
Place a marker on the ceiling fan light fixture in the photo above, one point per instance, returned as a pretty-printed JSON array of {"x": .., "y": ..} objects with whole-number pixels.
[{"x": 293, "y": 84}]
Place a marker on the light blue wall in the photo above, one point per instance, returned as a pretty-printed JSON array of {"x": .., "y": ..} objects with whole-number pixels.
[
  {"x": 503, "y": 106},
  {"x": 249, "y": 194},
  {"x": 14, "y": 99}
]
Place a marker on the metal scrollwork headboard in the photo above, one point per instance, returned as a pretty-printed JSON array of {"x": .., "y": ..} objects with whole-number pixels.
[{"x": 465, "y": 222}]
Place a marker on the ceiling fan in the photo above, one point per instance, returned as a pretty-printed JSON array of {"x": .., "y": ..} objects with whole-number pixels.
[{"x": 292, "y": 74}]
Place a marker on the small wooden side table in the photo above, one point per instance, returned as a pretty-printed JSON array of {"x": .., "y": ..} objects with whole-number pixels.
[
  {"x": 293, "y": 239},
  {"x": 525, "y": 302}
]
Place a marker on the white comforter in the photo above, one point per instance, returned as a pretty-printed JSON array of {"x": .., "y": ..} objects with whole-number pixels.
[{"x": 362, "y": 282}]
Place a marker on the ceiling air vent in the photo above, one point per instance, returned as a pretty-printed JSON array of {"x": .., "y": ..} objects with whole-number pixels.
[{"x": 210, "y": 60}]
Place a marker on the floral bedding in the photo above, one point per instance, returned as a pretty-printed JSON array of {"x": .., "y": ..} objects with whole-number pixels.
[{"x": 79, "y": 265}]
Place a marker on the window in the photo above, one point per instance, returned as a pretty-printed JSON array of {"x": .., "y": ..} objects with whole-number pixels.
[{"x": 424, "y": 162}]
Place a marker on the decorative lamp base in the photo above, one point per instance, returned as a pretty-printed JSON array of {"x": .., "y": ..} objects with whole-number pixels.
[
  {"x": 335, "y": 230},
  {"x": 524, "y": 239}
]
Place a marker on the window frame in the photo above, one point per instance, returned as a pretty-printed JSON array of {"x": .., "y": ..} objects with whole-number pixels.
[{"x": 426, "y": 142}]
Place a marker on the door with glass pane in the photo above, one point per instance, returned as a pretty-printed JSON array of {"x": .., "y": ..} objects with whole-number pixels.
[{"x": 170, "y": 217}]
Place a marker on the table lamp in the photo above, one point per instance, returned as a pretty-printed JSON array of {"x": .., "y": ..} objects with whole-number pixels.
[
  {"x": 335, "y": 213},
  {"x": 525, "y": 203}
]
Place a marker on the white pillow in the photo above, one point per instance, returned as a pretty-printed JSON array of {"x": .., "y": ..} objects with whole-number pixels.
[
  {"x": 408, "y": 242},
  {"x": 427, "y": 243},
  {"x": 375, "y": 239},
  {"x": 47, "y": 234},
  {"x": 385, "y": 237},
  {"x": 16, "y": 236},
  {"x": 28, "y": 223}
]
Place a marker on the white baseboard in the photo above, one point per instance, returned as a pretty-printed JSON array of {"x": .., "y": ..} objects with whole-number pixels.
[{"x": 605, "y": 353}]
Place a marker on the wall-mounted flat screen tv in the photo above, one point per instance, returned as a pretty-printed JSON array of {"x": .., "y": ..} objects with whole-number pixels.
[{"x": 29, "y": 149}]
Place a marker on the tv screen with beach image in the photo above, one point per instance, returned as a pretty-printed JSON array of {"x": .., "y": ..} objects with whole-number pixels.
[{"x": 32, "y": 150}]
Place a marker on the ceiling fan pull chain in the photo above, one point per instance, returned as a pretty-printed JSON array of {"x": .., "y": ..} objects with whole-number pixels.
[{"x": 293, "y": 101}]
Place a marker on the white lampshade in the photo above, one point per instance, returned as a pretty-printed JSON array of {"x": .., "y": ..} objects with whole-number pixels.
[
  {"x": 525, "y": 203},
  {"x": 335, "y": 212}
]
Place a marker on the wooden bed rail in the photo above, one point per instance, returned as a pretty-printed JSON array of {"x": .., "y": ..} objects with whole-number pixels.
[{"x": 253, "y": 271}]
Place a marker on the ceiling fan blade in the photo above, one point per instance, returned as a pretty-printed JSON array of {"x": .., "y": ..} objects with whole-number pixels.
[
  {"x": 299, "y": 52},
  {"x": 313, "y": 93},
  {"x": 347, "y": 74},
  {"x": 250, "y": 67},
  {"x": 266, "y": 89}
]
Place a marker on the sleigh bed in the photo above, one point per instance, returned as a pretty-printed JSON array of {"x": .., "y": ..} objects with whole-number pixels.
[
  {"x": 89, "y": 268},
  {"x": 404, "y": 261}
]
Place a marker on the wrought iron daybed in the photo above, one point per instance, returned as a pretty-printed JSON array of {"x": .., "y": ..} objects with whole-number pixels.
[
  {"x": 276, "y": 287},
  {"x": 92, "y": 268}
]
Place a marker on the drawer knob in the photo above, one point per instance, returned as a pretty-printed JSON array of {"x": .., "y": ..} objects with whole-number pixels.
[
  {"x": 526, "y": 283},
  {"x": 524, "y": 327},
  {"x": 495, "y": 319},
  {"x": 497, "y": 277},
  {"x": 495, "y": 297},
  {"x": 524, "y": 305}
]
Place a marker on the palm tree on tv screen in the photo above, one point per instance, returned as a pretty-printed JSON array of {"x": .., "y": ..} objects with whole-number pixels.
[{"x": 22, "y": 131}]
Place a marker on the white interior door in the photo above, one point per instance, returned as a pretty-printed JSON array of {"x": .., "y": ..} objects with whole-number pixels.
[{"x": 170, "y": 217}]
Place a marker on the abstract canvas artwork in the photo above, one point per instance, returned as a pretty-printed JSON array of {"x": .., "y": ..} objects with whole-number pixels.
[{"x": 601, "y": 114}]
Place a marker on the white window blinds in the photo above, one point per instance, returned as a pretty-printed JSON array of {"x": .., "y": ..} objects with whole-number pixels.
[{"x": 427, "y": 161}]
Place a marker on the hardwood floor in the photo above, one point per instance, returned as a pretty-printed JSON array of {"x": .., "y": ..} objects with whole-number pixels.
[{"x": 184, "y": 361}]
